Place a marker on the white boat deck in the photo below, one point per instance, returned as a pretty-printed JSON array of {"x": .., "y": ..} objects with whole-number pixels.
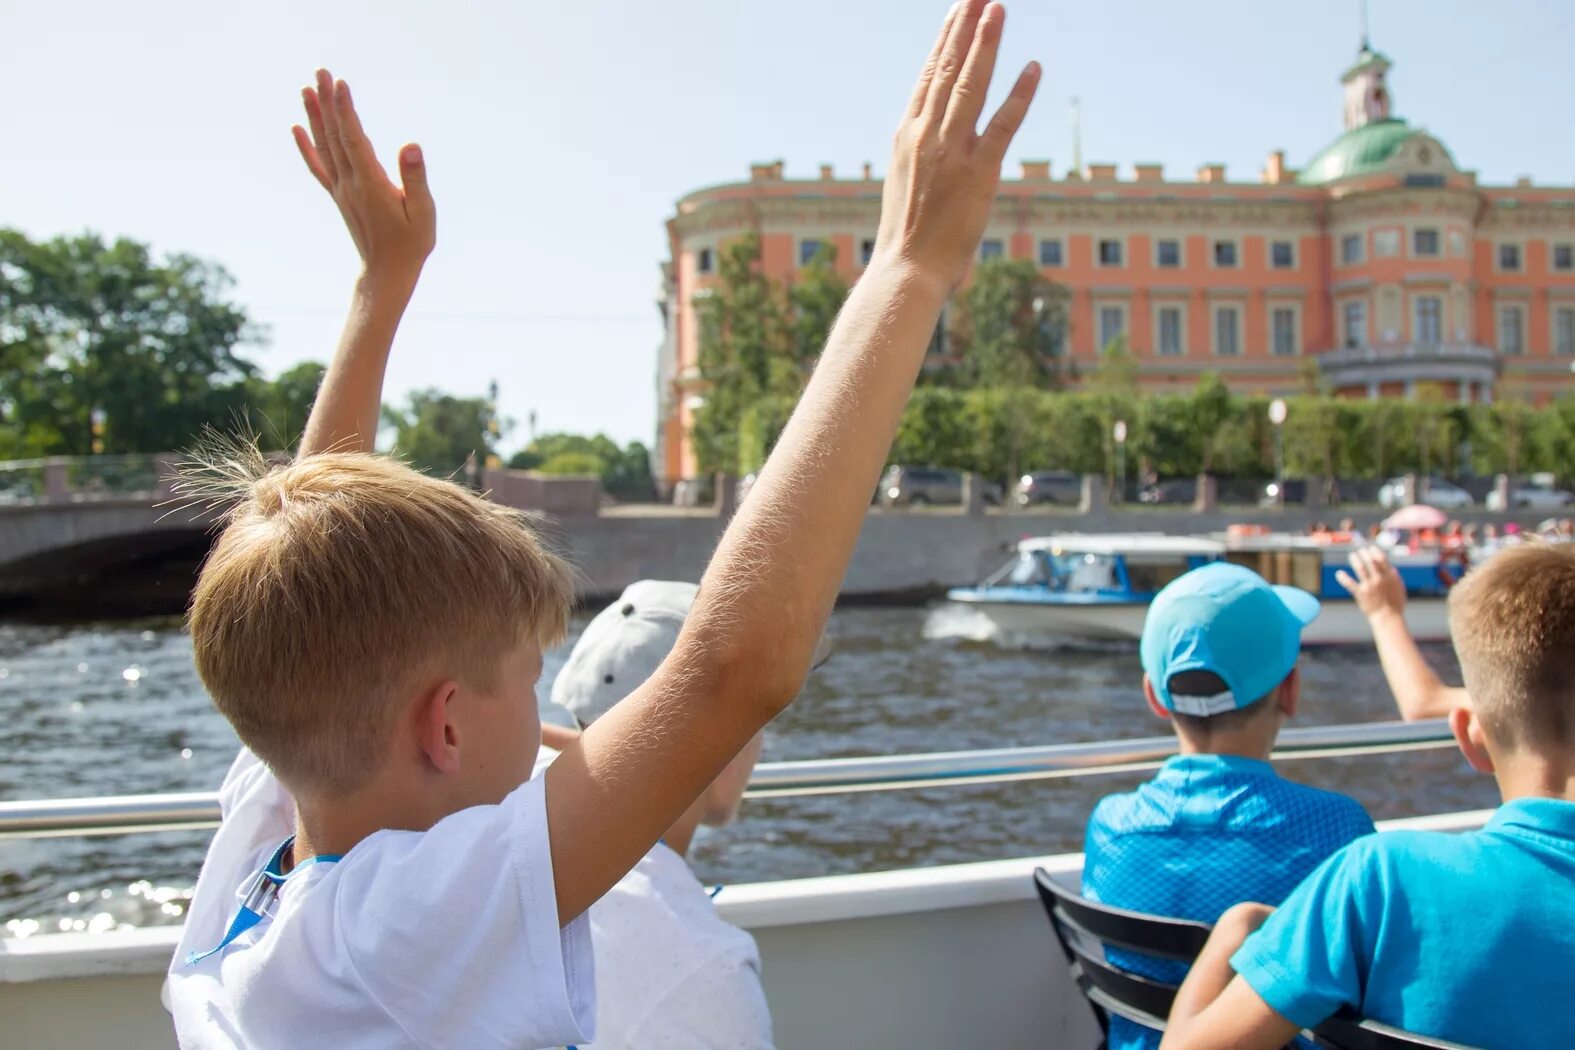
[{"x": 953, "y": 956}]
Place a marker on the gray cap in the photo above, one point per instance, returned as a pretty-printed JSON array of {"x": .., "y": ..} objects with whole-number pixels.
[{"x": 624, "y": 644}]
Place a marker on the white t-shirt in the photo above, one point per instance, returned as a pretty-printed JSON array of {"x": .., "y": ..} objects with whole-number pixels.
[
  {"x": 670, "y": 973},
  {"x": 442, "y": 938}
]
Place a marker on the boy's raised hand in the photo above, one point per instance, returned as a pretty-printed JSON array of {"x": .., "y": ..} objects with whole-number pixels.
[
  {"x": 394, "y": 227},
  {"x": 1376, "y": 585},
  {"x": 944, "y": 172}
]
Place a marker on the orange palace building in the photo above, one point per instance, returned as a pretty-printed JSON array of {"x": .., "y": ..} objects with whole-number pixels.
[{"x": 1381, "y": 261}]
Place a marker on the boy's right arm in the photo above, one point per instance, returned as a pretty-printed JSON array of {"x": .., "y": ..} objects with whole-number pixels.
[
  {"x": 394, "y": 229},
  {"x": 765, "y": 598},
  {"x": 1380, "y": 594}
]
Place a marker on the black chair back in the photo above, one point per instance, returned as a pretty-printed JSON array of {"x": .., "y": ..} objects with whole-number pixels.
[
  {"x": 1347, "y": 1032},
  {"x": 1084, "y": 928}
]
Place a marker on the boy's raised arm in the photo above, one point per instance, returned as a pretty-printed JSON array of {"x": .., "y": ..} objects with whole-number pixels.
[
  {"x": 394, "y": 229},
  {"x": 765, "y": 598},
  {"x": 1380, "y": 594}
]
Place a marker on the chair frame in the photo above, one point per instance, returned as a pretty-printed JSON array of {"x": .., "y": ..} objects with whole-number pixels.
[{"x": 1078, "y": 923}]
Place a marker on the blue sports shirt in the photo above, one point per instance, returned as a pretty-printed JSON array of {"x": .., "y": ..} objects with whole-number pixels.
[
  {"x": 1469, "y": 938},
  {"x": 1207, "y": 832}
]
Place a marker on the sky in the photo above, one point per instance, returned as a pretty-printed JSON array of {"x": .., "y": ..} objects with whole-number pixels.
[{"x": 559, "y": 136}]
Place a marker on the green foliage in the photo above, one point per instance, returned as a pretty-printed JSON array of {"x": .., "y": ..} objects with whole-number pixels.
[
  {"x": 88, "y": 326},
  {"x": 277, "y": 410},
  {"x": 573, "y": 463},
  {"x": 1210, "y": 429},
  {"x": 438, "y": 432},
  {"x": 625, "y": 472},
  {"x": 1009, "y": 326}
]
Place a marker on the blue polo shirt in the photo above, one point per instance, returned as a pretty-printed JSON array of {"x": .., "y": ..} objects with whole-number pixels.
[
  {"x": 1207, "y": 832},
  {"x": 1469, "y": 937}
]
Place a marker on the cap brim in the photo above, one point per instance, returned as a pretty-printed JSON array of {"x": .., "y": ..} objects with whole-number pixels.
[{"x": 1302, "y": 605}]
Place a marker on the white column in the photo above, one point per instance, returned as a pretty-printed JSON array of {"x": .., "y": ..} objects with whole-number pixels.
[{"x": 1372, "y": 390}]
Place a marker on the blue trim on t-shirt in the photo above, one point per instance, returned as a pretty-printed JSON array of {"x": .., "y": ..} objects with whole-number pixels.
[{"x": 264, "y": 888}]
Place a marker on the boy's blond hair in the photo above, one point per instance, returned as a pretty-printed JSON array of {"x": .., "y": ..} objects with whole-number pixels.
[
  {"x": 341, "y": 583},
  {"x": 1513, "y": 623}
]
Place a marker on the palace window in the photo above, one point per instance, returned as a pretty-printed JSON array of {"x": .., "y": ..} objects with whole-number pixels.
[
  {"x": 1429, "y": 320},
  {"x": 1564, "y": 257},
  {"x": 1424, "y": 243},
  {"x": 1564, "y": 331},
  {"x": 808, "y": 248},
  {"x": 1167, "y": 253},
  {"x": 1284, "y": 331},
  {"x": 1511, "y": 330},
  {"x": 1050, "y": 253},
  {"x": 1168, "y": 324},
  {"x": 991, "y": 248},
  {"x": 866, "y": 251},
  {"x": 1227, "y": 331},
  {"x": 1112, "y": 325},
  {"x": 1356, "y": 322},
  {"x": 1225, "y": 254},
  {"x": 1351, "y": 249},
  {"x": 1509, "y": 258},
  {"x": 1282, "y": 255},
  {"x": 1110, "y": 252},
  {"x": 705, "y": 260}
]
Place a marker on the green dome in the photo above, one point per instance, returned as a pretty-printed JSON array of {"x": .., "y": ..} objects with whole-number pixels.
[{"x": 1358, "y": 151}]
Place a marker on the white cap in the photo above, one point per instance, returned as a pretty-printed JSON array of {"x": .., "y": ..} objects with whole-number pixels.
[{"x": 624, "y": 644}]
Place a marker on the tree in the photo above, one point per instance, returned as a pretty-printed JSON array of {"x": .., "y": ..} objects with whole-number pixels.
[
  {"x": 745, "y": 353},
  {"x": 90, "y": 329},
  {"x": 1208, "y": 410},
  {"x": 438, "y": 433},
  {"x": 1009, "y": 326},
  {"x": 813, "y": 302},
  {"x": 625, "y": 472},
  {"x": 276, "y": 410}
]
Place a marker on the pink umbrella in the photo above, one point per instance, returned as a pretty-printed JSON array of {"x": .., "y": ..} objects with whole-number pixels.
[{"x": 1416, "y": 516}]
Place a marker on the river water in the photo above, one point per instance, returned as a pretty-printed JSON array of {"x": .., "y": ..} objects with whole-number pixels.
[{"x": 117, "y": 709}]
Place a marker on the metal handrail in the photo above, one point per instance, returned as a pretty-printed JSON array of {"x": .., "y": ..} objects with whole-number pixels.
[{"x": 124, "y": 814}]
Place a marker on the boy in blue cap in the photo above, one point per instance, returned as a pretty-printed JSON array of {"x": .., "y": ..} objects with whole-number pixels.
[
  {"x": 1216, "y": 825},
  {"x": 1463, "y": 937}
]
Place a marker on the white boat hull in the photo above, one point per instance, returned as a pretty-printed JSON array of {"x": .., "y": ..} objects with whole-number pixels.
[
  {"x": 1033, "y": 623},
  {"x": 942, "y": 957}
]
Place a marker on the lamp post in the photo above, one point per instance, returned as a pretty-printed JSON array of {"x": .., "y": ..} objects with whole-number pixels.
[
  {"x": 1277, "y": 411},
  {"x": 1119, "y": 432}
]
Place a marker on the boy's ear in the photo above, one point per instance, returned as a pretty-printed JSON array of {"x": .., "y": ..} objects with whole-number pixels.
[
  {"x": 1471, "y": 738},
  {"x": 437, "y": 733},
  {"x": 1290, "y": 693},
  {"x": 1153, "y": 698}
]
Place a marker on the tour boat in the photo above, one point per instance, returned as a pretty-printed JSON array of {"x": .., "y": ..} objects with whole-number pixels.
[{"x": 1079, "y": 588}]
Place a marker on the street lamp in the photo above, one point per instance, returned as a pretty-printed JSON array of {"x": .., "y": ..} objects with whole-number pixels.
[
  {"x": 1119, "y": 432},
  {"x": 1277, "y": 411}
]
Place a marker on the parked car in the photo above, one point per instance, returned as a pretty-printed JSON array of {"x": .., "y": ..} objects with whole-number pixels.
[
  {"x": 1537, "y": 492},
  {"x": 1048, "y": 486},
  {"x": 1170, "y": 491},
  {"x": 1433, "y": 491},
  {"x": 923, "y": 486}
]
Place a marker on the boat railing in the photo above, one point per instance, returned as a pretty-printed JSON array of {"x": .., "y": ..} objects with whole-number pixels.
[{"x": 125, "y": 814}]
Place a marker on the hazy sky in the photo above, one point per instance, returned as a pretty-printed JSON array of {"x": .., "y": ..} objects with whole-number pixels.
[{"x": 558, "y": 137}]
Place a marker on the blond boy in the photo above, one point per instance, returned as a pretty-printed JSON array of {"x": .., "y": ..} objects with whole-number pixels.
[
  {"x": 386, "y": 873},
  {"x": 1469, "y": 937}
]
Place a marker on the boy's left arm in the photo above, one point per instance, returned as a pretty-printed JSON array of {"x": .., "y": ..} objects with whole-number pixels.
[
  {"x": 394, "y": 229},
  {"x": 1217, "y": 1009}
]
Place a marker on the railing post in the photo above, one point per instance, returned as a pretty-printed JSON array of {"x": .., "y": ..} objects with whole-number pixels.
[
  {"x": 1094, "y": 499},
  {"x": 57, "y": 484},
  {"x": 973, "y": 495}
]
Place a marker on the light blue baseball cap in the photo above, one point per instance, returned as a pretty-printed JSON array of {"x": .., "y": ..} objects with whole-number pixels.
[{"x": 1226, "y": 619}]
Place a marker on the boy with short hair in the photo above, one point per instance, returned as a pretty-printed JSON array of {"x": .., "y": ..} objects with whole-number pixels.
[
  {"x": 670, "y": 973},
  {"x": 386, "y": 874},
  {"x": 1216, "y": 825},
  {"x": 1465, "y": 937}
]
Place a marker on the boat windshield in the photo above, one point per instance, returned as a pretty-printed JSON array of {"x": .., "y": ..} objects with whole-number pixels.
[{"x": 1064, "y": 572}]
